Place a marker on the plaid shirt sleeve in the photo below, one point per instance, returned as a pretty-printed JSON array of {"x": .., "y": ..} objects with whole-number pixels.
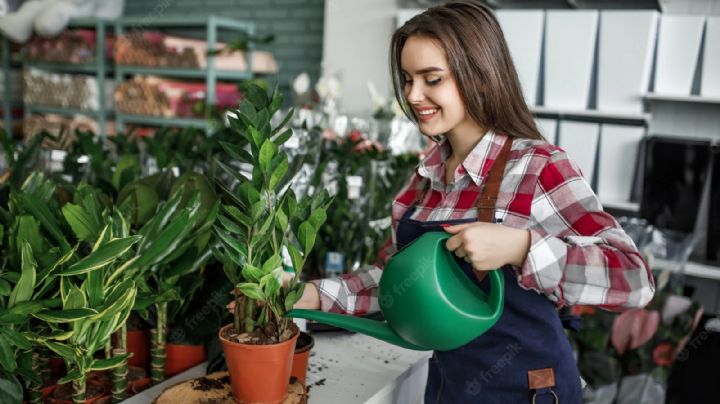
[
  {"x": 579, "y": 254},
  {"x": 356, "y": 293}
]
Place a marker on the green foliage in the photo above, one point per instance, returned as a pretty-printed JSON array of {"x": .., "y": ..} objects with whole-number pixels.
[{"x": 261, "y": 217}]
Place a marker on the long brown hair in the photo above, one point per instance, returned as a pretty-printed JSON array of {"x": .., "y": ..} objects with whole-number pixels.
[{"x": 479, "y": 60}]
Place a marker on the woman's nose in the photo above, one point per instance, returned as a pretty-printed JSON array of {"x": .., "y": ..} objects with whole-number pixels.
[{"x": 415, "y": 93}]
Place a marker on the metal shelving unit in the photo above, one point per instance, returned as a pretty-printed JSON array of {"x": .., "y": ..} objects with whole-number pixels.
[
  {"x": 212, "y": 25},
  {"x": 7, "y": 103},
  {"x": 99, "y": 69}
]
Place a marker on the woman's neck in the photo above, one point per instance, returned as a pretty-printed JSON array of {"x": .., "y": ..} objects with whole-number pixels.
[{"x": 462, "y": 141}]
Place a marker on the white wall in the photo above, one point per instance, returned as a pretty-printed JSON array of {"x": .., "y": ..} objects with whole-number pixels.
[{"x": 356, "y": 47}]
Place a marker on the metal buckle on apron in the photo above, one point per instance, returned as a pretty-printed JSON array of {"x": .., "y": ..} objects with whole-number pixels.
[
  {"x": 542, "y": 381},
  {"x": 555, "y": 397}
]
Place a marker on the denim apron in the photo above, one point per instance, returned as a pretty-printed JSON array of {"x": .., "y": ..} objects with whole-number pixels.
[{"x": 498, "y": 367}]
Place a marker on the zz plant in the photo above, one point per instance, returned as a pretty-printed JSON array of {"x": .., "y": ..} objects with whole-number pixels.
[{"x": 261, "y": 219}]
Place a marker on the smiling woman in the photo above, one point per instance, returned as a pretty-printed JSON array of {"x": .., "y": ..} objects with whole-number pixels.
[{"x": 514, "y": 205}]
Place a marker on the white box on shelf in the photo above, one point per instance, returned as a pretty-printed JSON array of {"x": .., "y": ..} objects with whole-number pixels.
[
  {"x": 710, "y": 82},
  {"x": 580, "y": 141},
  {"x": 570, "y": 38},
  {"x": 677, "y": 54},
  {"x": 523, "y": 31},
  {"x": 547, "y": 128},
  {"x": 619, "y": 145},
  {"x": 627, "y": 45}
]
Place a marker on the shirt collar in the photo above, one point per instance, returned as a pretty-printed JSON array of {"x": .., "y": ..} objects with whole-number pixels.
[{"x": 476, "y": 165}]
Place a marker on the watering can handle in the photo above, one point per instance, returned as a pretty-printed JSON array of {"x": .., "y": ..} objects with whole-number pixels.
[{"x": 497, "y": 281}]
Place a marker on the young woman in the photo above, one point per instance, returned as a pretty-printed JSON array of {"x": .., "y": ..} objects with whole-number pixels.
[{"x": 513, "y": 202}]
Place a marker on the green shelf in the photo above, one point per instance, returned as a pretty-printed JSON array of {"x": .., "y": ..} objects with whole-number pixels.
[
  {"x": 42, "y": 109},
  {"x": 176, "y": 122},
  {"x": 66, "y": 67},
  {"x": 182, "y": 72}
]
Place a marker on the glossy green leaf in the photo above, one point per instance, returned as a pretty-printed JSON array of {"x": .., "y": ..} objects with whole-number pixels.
[
  {"x": 267, "y": 153},
  {"x": 63, "y": 350},
  {"x": 278, "y": 173},
  {"x": 118, "y": 301},
  {"x": 74, "y": 299},
  {"x": 283, "y": 137},
  {"x": 5, "y": 287},
  {"x": 11, "y": 390},
  {"x": 65, "y": 316},
  {"x": 24, "y": 288},
  {"x": 17, "y": 339},
  {"x": 28, "y": 229},
  {"x": 43, "y": 214},
  {"x": 252, "y": 273},
  {"x": 296, "y": 257},
  {"x": 7, "y": 356},
  {"x": 166, "y": 241},
  {"x": 229, "y": 241},
  {"x": 238, "y": 216},
  {"x": 102, "y": 256},
  {"x": 306, "y": 236},
  {"x": 70, "y": 377},
  {"x": 107, "y": 364},
  {"x": 251, "y": 290},
  {"x": 80, "y": 221}
]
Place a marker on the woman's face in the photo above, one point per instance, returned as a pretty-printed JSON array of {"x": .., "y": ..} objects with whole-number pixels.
[{"x": 430, "y": 88}]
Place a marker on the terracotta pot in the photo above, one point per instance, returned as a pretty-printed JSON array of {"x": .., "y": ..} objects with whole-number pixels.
[
  {"x": 304, "y": 344},
  {"x": 57, "y": 366},
  {"x": 139, "y": 385},
  {"x": 138, "y": 342},
  {"x": 259, "y": 373},
  {"x": 64, "y": 396},
  {"x": 179, "y": 358},
  {"x": 138, "y": 380}
]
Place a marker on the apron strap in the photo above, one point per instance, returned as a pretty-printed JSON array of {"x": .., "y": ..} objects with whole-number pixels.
[{"x": 490, "y": 190}]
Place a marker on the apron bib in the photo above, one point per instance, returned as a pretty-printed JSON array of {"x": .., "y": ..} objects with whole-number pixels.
[{"x": 525, "y": 357}]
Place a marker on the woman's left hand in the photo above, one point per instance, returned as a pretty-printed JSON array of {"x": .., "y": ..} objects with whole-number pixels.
[{"x": 489, "y": 246}]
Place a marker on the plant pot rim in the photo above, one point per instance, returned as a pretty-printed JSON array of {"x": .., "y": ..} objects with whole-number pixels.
[
  {"x": 264, "y": 346},
  {"x": 188, "y": 345},
  {"x": 306, "y": 347}
]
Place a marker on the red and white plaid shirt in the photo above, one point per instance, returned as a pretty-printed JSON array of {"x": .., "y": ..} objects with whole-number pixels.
[{"x": 578, "y": 255}]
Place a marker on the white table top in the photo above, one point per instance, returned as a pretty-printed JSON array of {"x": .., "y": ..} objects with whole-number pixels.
[{"x": 345, "y": 368}]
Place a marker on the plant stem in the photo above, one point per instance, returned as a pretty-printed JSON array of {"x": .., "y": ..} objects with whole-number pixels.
[
  {"x": 119, "y": 377},
  {"x": 44, "y": 358},
  {"x": 239, "y": 310},
  {"x": 157, "y": 353},
  {"x": 36, "y": 389},
  {"x": 249, "y": 311},
  {"x": 79, "y": 389}
]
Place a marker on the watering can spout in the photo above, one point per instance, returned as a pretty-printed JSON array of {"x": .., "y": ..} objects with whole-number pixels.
[{"x": 374, "y": 328}]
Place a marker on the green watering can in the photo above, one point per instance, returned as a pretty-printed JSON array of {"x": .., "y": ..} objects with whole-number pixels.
[{"x": 426, "y": 299}]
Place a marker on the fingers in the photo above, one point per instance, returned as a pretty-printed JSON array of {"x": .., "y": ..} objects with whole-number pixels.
[{"x": 456, "y": 228}]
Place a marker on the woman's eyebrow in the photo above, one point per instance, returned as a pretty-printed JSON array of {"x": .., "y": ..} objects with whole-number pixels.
[{"x": 426, "y": 70}]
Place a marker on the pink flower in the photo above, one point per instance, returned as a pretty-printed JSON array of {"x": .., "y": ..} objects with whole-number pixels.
[
  {"x": 633, "y": 328},
  {"x": 664, "y": 354},
  {"x": 581, "y": 309}
]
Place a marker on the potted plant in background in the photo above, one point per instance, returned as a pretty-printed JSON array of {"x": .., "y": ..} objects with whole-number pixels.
[{"x": 260, "y": 218}]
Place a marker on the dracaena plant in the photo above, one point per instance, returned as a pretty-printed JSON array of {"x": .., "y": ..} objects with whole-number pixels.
[
  {"x": 261, "y": 218},
  {"x": 68, "y": 265},
  {"x": 175, "y": 245}
]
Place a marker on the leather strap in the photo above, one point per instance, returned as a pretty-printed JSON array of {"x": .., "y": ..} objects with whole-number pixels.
[{"x": 490, "y": 190}]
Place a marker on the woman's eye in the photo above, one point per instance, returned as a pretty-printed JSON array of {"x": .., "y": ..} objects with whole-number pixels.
[
  {"x": 408, "y": 82},
  {"x": 433, "y": 82}
]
